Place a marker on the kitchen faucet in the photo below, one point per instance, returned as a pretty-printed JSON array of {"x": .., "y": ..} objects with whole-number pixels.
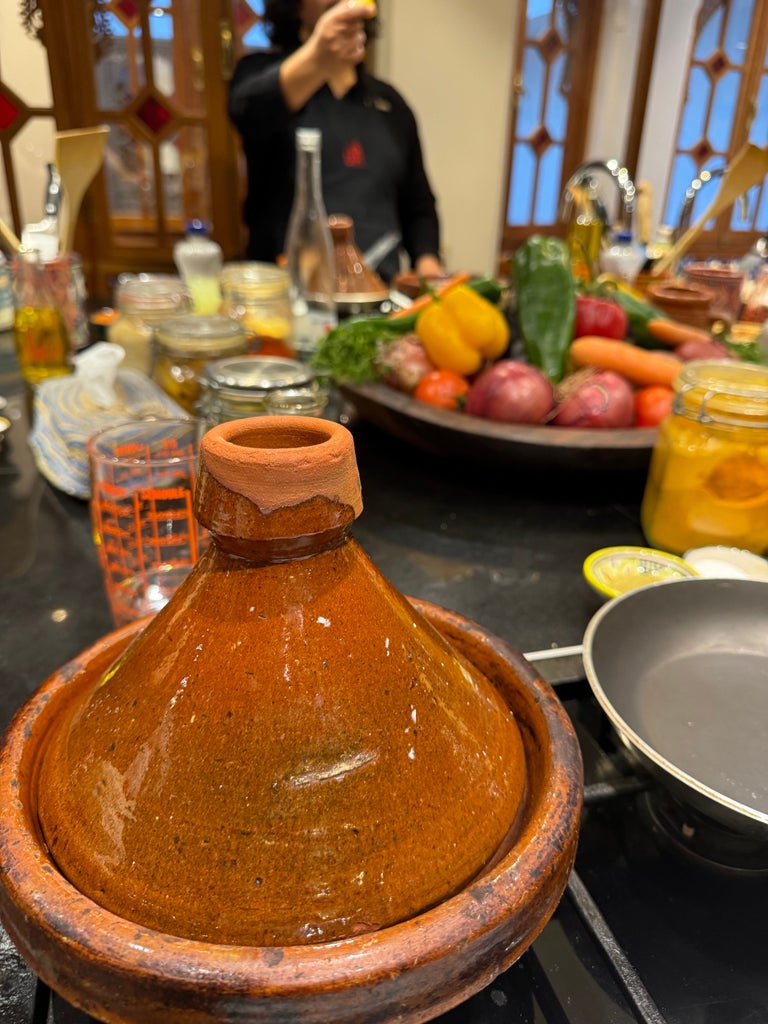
[
  {"x": 620, "y": 177},
  {"x": 690, "y": 196}
]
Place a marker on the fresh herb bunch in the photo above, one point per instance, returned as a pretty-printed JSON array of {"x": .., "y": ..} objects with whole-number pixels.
[{"x": 347, "y": 354}]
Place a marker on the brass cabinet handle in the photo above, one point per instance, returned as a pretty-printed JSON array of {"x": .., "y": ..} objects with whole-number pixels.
[{"x": 227, "y": 40}]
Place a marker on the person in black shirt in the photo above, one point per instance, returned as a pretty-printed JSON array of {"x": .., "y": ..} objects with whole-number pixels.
[{"x": 372, "y": 164}]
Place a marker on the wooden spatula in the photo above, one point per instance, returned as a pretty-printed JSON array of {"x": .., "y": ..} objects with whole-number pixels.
[
  {"x": 78, "y": 156},
  {"x": 748, "y": 168}
]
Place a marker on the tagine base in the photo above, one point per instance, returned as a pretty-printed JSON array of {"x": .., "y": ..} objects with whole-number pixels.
[{"x": 411, "y": 972}]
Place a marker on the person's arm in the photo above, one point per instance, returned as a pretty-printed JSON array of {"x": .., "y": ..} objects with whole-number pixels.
[{"x": 419, "y": 220}]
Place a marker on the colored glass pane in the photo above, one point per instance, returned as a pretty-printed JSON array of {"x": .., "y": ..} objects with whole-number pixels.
[
  {"x": 737, "y": 30},
  {"x": 186, "y": 174},
  {"x": 761, "y": 217},
  {"x": 556, "y": 113},
  {"x": 153, "y": 114},
  {"x": 531, "y": 101},
  {"x": 256, "y": 37},
  {"x": 521, "y": 189},
  {"x": 8, "y": 112},
  {"x": 695, "y": 109},
  {"x": 709, "y": 37},
  {"x": 548, "y": 190},
  {"x": 128, "y": 9},
  {"x": 721, "y": 118}
]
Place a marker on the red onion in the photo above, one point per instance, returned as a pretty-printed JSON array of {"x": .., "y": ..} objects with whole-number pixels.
[
  {"x": 603, "y": 399},
  {"x": 512, "y": 392}
]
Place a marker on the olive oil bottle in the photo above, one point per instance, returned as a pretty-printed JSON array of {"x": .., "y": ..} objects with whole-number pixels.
[{"x": 42, "y": 345}]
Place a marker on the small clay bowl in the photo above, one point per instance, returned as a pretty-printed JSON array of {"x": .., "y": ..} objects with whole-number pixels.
[
  {"x": 123, "y": 973},
  {"x": 689, "y": 303}
]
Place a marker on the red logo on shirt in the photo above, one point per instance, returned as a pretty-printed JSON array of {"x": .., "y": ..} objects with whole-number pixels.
[{"x": 354, "y": 155}]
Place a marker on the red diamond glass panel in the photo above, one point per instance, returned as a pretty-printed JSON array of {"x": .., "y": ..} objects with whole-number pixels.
[
  {"x": 129, "y": 9},
  {"x": 154, "y": 115},
  {"x": 8, "y": 112},
  {"x": 243, "y": 16}
]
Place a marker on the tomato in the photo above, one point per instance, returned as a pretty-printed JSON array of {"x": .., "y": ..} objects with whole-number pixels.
[
  {"x": 602, "y": 317},
  {"x": 443, "y": 388},
  {"x": 653, "y": 403}
]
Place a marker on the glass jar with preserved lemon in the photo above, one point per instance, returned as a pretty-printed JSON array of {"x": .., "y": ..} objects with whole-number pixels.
[
  {"x": 708, "y": 479},
  {"x": 256, "y": 294}
]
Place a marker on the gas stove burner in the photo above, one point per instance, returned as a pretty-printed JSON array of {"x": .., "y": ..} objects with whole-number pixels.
[{"x": 701, "y": 839}]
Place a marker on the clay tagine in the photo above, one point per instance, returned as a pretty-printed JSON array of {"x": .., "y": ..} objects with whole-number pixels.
[
  {"x": 292, "y": 792},
  {"x": 355, "y": 281}
]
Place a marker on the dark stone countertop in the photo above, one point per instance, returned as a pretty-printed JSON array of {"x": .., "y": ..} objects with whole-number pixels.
[{"x": 499, "y": 545}]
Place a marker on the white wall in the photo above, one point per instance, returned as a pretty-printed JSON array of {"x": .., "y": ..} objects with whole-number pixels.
[{"x": 452, "y": 60}]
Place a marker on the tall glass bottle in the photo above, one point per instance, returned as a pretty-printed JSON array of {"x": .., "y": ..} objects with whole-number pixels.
[
  {"x": 309, "y": 249},
  {"x": 42, "y": 345}
]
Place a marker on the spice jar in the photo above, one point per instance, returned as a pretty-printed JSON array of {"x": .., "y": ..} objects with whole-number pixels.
[
  {"x": 236, "y": 388},
  {"x": 143, "y": 301},
  {"x": 257, "y": 294},
  {"x": 708, "y": 479},
  {"x": 183, "y": 348}
]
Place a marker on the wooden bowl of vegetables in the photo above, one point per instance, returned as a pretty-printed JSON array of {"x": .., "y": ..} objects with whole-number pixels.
[{"x": 577, "y": 375}]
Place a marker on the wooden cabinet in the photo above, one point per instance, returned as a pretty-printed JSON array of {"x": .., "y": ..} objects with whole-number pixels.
[{"x": 155, "y": 72}]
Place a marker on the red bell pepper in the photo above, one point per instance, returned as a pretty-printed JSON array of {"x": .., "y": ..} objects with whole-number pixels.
[{"x": 602, "y": 317}]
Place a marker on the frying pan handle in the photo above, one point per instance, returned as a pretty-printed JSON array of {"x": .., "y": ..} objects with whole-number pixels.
[{"x": 551, "y": 653}]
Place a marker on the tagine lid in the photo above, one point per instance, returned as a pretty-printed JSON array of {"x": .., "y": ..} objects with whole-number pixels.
[{"x": 289, "y": 752}]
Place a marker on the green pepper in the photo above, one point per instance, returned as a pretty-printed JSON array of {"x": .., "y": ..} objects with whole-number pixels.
[
  {"x": 639, "y": 314},
  {"x": 546, "y": 302}
]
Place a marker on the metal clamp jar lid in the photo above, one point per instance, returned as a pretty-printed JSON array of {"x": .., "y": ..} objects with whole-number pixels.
[
  {"x": 726, "y": 392},
  {"x": 234, "y": 388}
]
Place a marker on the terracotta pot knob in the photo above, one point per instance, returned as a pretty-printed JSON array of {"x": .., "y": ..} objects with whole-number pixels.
[{"x": 277, "y": 477}]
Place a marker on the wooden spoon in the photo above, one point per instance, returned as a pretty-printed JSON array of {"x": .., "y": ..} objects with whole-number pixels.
[
  {"x": 748, "y": 168},
  {"x": 78, "y": 156},
  {"x": 8, "y": 237}
]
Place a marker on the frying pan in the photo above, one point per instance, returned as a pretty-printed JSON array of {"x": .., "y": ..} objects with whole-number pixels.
[{"x": 681, "y": 670}]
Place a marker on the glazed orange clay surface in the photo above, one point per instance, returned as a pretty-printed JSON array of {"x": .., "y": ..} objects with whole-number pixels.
[{"x": 289, "y": 752}]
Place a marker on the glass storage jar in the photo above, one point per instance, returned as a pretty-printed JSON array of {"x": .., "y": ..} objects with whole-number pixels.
[
  {"x": 257, "y": 294},
  {"x": 708, "y": 479},
  {"x": 143, "y": 301},
  {"x": 185, "y": 345},
  {"x": 259, "y": 385}
]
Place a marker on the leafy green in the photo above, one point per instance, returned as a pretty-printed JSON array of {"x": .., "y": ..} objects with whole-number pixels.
[
  {"x": 347, "y": 354},
  {"x": 748, "y": 351}
]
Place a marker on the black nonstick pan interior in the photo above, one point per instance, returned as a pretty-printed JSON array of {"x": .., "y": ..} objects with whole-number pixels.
[{"x": 681, "y": 669}]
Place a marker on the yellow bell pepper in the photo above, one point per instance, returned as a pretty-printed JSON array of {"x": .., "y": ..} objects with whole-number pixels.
[{"x": 461, "y": 330}]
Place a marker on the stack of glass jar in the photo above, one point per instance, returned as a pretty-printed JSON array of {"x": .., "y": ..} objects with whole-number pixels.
[
  {"x": 257, "y": 295},
  {"x": 257, "y": 386},
  {"x": 143, "y": 301}
]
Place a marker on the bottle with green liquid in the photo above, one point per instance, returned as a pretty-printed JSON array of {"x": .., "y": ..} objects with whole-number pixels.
[{"x": 42, "y": 345}]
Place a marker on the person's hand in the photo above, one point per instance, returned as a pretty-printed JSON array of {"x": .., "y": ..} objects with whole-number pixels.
[
  {"x": 429, "y": 266},
  {"x": 338, "y": 38}
]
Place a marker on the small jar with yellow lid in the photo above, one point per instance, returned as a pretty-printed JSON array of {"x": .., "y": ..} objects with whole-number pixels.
[
  {"x": 184, "y": 347},
  {"x": 708, "y": 479},
  {"x": 257, "y": 295}
]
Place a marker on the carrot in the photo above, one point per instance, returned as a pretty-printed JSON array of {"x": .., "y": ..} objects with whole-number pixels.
[
  {"x": 422, "y": 301},
  {"x": 672, "y": 332},
  {"x": 638, "y": 365}
]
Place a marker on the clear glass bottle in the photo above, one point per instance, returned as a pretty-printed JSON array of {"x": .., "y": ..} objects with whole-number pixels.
[
  {"x": 42, "y": 344},
  {"x": 198, "y": 259},
  {"x": 708, "y": 479},
  {"x": 143, "y": 301},
  {"x": 6, "y": 296},
  {"x": 183, "y": 348},
  {"x": 309, "y": 249},
  {"x": 257, "y": 295}
]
